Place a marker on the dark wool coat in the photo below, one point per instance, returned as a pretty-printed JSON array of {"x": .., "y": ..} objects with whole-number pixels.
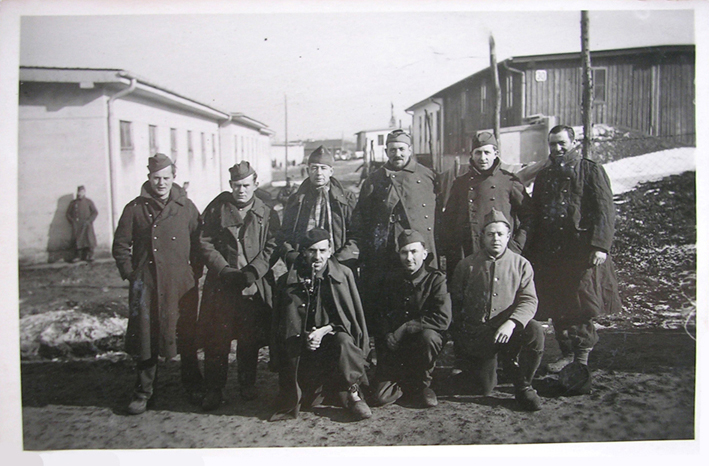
[
  {"x": 81, "y": 214},
  {"x": 159, "y": 256},
  {"x": 219, "y": 245},
  {"x": 376, "y": 214},
  {"x": 422, "y": 298},
  {"x": 290, "y": 303},
  {"x": 472, "y": 197},
  {"x": 573, "y": 215},
  {"x": 297, "y": 213}
]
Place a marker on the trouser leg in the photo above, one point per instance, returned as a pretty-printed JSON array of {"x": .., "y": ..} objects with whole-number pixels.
[
  {"x": 187, "y": 341},
  {"x": 421, "y": 350},
  {"x": 250, "y": 318},
  {"x": 525, "y": 350},
  {"x": 146, "y": 372}
]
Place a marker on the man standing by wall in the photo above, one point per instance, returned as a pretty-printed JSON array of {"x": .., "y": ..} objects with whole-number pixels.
[
  {"x": 81, "y": 215},
  {"x": 473, "y": 195},
  {"x": 320, "y": 202},
  {"x": 237, "y": 240},
  {"x": 572, "y": 232},
  {"x": 412, "y": 317},
  {"x": 156, "y": 249},
  {"x": 400, "y": 195}
]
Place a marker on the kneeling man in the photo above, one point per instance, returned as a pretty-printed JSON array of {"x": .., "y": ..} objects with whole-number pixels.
[
  {"x": 494, "y": 301},
  {"x": 320, "y": 336},
  {"x": 412, "y": 316}
]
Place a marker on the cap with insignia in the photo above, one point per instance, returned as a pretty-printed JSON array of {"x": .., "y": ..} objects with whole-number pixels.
[
  {"x": 241, "y": 170},
  {"x": 399, "y": 135},
  {"x": 495, "y": 216},
  {"x": 410, "y": 236},
  {"x": 314, "y": 236},
  {"x": 157, "y": 162},
  {"x": 322, "y": 156},
  {"x": 483, "y": 139}
]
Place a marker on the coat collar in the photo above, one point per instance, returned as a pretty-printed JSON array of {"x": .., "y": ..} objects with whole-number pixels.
[
  {"x": 572, "y": 156},
  {"x": 337, "y": 191},
  {"x": 334, "y": 272},
  {"x": 177, "y": 194},
  {"x": 495, "y": 167},
  {"x": 409, "y": 167},
  {"x": 258, "y": 208}
]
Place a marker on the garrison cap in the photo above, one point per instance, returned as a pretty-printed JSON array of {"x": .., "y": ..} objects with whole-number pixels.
[
  {"x": 314, "y": 236},
  {"x": 399, "y": 135},
  {"x": 495, "y": 216},
  {"x": 483, "y": 139},
  {"x": 157, "y": 162},
  {"x": 410, "y": 236},
  {"x": 321, "y": 155},
  {"x": 81, "y": 188},
  {"x": 241, "y": 170}
]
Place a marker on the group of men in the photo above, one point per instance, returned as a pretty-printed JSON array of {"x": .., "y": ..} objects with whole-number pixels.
[{"x": 366, "y": 268}]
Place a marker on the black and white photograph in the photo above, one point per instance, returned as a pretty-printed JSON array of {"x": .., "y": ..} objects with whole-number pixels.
[{"x": 233, "y": 226}]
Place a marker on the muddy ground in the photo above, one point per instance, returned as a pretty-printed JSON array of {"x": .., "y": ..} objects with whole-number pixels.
[{"x": 643, "y": 367}]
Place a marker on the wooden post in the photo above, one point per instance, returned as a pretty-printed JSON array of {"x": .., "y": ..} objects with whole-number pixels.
[
  {"x": 587, "y": 97},
  {"x": 496, "y": 84},
  {"x": 285, "y": 97}
]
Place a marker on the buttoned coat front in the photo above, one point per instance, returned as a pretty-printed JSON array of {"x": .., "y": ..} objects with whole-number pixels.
[
  {"x": 81, "y": 214},
  {"x": 223, "y": 233},
  {"x": 376, "y": 215},
  {"x": 158, "y": 254},
  {"x": 472, "y": 197},
  {"x": 487, "y": 291}
]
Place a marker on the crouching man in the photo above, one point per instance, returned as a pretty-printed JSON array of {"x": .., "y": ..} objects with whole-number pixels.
[
  {"x": 413, "y": 315},
  {"x": 320, "y": 336},
  {"x": 494, "y": 301}
]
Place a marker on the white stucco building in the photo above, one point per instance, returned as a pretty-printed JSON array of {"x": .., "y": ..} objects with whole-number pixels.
[{"x": 97, "y": 128}]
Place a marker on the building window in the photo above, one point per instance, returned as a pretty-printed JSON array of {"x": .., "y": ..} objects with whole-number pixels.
[
  {"x": 190, "y": 147},
  {"x": 153, "y": 139},
  {"x": 126, "y": 135},
  {"x": 203, "y": 140},
  {"x": 483, "y": 98},
  {"x": 173, "y": 144},
  {"x": 599, "y": 84},
  {"x": 509, "y": 94},
  {"x": 380, "y": 140}
]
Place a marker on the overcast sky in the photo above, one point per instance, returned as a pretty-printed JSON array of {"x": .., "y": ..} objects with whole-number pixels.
[{"x": 339, "y": 70}]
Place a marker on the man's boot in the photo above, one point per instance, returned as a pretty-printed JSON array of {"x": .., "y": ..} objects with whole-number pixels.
[
  {"x": 358, "y": 407},
  {"x": 143, "y": 392}
]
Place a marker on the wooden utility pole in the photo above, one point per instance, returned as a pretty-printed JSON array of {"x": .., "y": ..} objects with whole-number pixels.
[
  {"x": 587, "y": 97},
  {"x": 496, "y": 84},
  {"x": 285, "y": 98}
]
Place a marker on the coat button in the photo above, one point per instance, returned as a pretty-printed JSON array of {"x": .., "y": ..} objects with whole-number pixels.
[
  {"x": 423, "y": 205},
  {"x": 429, "y": 228},
  {"x": 173, "y": 238},
  {"x": 155, "y": 250},
  {"x": 418, "y": 181},
  {"x": 425, "y": 216},
  {"x": 492, "y": 198},
  {"x": 155, "y": 237}
]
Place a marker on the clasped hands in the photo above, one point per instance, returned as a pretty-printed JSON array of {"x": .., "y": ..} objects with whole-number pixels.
[{"x": 315, "y": 337}]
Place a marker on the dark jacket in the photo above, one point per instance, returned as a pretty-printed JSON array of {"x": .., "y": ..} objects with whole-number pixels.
[
  {"x": 573, "y": 210},
  {"x": 158, "y": 254},
  {"x": 472, "y": 197},
  {"x": 573, "y": 215},
  {"x": 422, "y": 298},
  {"x": 394, "y": 200},
  {"x": 81, "y": 213},
  {"x": 287, "y": 327},
  {"x": 220, "y": 246},
  {"x": 297, "y": 213}
]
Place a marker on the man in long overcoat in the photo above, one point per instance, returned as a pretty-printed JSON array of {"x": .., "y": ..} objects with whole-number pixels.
[
  {"x": 411, "y": 320},
  {"x": 320, "y": 202},
  {"x": 320, "y": 338},
  {"x": 400, "y": 195},
  {"x": 156, "y": 248},
  {"x": 473, "y": 195},
  {"x": 237, "y": 240},
  {"x": 494, "y": 302},
  {"x": 81, "y": 214},
  {"x": 572, "y": 233}
]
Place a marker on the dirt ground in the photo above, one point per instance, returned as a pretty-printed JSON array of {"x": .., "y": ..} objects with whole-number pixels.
[{"x": 643, "y": 367}]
